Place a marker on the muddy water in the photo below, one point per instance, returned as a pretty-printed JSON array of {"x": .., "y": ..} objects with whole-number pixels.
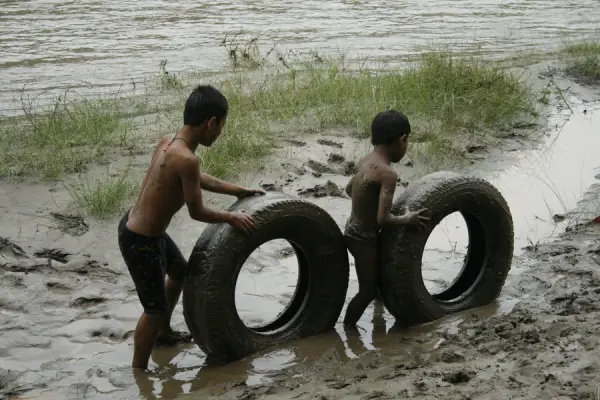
[{"x": 101, "y": 44}]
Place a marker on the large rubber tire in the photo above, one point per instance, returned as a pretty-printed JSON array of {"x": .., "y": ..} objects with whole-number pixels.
[
  {"x": 487, "y": 262},
  {"x": 216, "y": 260}
]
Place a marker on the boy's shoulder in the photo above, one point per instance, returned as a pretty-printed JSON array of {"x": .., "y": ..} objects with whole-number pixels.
[{"x": 373, "y": 169}]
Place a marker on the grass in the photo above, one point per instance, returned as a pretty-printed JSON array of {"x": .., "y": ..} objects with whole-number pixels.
[
  {"x": 63, "y": 139},
  {"x": 583, "y": 60},
  {"x": 447, "y": 98},
  {"x": 103, "y": 197}
]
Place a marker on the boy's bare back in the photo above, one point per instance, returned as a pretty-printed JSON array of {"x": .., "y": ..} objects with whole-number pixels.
[
  {"x": 373, "y": 184},
  {"x": 161, "y": 194}
]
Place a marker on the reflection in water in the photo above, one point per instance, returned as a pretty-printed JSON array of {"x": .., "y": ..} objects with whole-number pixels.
[
  {"x": 259, "y": 300},
  {"x": 445, "y": 251}
]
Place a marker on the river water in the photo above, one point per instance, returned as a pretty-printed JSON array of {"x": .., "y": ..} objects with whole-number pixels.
[
  {"x": 48, "y": 45},
  {"x": 84, "y": 351}
]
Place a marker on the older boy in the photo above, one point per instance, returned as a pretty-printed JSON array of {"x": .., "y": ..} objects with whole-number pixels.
[
  {"x": 172, "y": 180},
  {"x": 372, "y": 191}
]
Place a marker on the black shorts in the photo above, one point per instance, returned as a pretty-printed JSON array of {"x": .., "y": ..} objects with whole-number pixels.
[{"x": 148, "y": 260}]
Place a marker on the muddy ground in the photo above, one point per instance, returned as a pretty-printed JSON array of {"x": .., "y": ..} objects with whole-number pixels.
[{"x": 68, "y": 306}]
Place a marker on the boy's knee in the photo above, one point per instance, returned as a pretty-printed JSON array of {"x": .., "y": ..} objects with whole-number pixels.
[{"x": 177, "y": 270}]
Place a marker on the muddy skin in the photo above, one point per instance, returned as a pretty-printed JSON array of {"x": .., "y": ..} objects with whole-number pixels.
[
  {"x": 361, "y": 233},
  {"x": 365, "y": 260}
]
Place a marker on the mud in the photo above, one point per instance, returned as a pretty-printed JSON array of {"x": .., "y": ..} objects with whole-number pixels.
[{"x": 68, "y": 307}]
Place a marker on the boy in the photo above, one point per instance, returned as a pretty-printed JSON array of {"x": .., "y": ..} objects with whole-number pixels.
[
  {"x": 172, "y": 180},
  {"x": 372, "y": 191}
]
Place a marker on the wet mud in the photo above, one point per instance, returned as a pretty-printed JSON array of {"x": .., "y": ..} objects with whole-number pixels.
[{"x": 68, "y": 307}]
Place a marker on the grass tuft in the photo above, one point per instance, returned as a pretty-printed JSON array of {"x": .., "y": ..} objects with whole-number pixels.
[
  {"x": 103, "y": 197},
  {"x": 583, "y": 60},
  {"x": 63, "y": 139}
]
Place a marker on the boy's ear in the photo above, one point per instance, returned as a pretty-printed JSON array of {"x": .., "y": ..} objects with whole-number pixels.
[{"x": 211, "y": 123}]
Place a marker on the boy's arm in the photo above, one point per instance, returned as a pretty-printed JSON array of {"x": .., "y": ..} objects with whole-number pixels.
[
  {"x": 386, "y": 197},
  {"x": 189, "y": 173},
  {"x": 216, "y": 185}
]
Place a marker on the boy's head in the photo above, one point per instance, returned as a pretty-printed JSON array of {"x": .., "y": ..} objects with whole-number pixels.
[
  {"x": 205, "y": 112},
  {"x": 390, "y": 130}
]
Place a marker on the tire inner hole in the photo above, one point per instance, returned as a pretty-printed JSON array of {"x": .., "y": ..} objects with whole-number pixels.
[
  {"x": 266, "y": 285},
  {"x": 444, "y": 255}
]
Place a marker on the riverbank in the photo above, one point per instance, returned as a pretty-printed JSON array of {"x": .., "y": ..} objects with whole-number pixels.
[{"x": 69, "y": 306}]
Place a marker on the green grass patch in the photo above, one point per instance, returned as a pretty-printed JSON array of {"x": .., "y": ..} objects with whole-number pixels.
[
  {"x": 64, "y": 138},
  {"x": 103, "y": 197},
  {"x": 443, "y": 95},
  {"x": 583, "y": 60}
]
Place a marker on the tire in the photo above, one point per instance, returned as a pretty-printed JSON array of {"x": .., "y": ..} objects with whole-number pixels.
[
  {"x": 487, "y": 262},
  {"x": 217, "y": 258}
]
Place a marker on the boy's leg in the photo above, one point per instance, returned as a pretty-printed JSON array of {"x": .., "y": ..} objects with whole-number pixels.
[
  {"x": 365, "y": 260},
  {"x": 144, "y": 258},
  {"x": 176, "y": 269}
]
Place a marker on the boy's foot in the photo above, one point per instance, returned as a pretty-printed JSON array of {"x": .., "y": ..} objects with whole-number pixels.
[{"x": 171, "y": 338}]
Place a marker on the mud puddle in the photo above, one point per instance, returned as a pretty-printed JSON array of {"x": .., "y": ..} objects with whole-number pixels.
[{"x": 69, "y": 307}]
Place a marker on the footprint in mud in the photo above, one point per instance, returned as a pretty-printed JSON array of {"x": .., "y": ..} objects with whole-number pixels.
[
  {"x": 293, "y": 168},
  {"x": 58, "y": 287},
  {"x": 8, "y": 247},
  {"x": 320, "y": 168},
  {"x": 271, "y": 186},
  {"x": 336, "y": 158},
  {"x": 92, "y": 268},
  {"x": 84, "y": 302},
  {"x": 330, "y": 143},
  {"x": 342, "y": 166},
  {"x": 73, "y": 225},
  {"x": 53, "y": 254},
  {"x": 298, "y": 143},
  {"x": 328, "y": 189}
]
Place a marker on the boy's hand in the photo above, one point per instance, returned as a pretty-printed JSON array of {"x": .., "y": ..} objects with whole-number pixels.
[
  {"x": 241, "y": 221},
  {"x": 416, "y": 218},
  {"x": 247, "y": 192}
]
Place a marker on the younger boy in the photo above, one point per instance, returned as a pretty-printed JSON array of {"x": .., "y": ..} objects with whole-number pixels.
[
  {"x": 372, "y": 191},
  {"x": 172, "y": 180}
]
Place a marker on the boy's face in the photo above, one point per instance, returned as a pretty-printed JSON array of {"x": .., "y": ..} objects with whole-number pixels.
[
  {"x": 211, "y": 131},
  {"x": 399, "y": 148}
]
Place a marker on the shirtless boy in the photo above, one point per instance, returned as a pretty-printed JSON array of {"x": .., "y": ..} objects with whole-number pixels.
[
  {"x": 172, "y": 180},
  {"x": 372, "y": 191}
]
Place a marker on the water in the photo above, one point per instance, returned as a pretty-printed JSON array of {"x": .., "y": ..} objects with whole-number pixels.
[{"x": 49, "y": 45}]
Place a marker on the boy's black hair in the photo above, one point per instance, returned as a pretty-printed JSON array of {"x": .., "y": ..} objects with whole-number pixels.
[
  {"x": 387, "y": 126},
  {"x": 204, "y": 103}
]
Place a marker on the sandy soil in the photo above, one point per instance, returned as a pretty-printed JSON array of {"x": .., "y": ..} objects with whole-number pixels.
[{"x": 68, "y": 306}]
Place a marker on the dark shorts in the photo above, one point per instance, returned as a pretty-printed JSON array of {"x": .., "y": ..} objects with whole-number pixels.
[
  {"x": 148, "y": 260},
  {"x": 354, "y": 232}
]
